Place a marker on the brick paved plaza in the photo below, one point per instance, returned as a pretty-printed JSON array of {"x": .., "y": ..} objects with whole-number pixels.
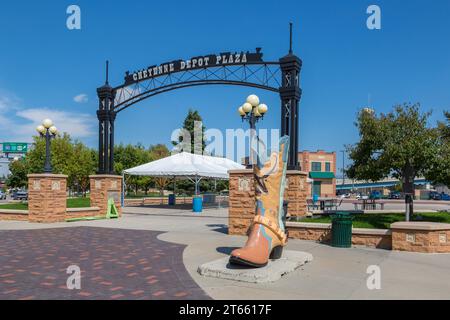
[{"x": 114, "y": 263}]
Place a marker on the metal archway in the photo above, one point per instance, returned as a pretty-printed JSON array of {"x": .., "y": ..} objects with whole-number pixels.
[{"x": 238, "y": 68}]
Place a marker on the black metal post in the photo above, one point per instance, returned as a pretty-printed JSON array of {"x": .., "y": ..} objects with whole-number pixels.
[
  {"x": 106, "y": 117},
  {"x": 48, "y": 164},
  {"x": 290, "y": 94}
]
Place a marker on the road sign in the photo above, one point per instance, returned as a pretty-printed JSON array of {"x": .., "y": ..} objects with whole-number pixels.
[{"x": 15, "y": 147}]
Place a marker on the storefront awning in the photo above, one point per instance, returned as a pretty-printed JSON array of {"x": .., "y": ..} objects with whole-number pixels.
[{"x": 321, "y": 175}]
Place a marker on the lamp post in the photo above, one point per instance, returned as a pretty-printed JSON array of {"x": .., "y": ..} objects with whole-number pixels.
[
  {"x": 49, "y": 131},
  {"x": 343, "y": 168},
  {"x": 252, "y": 111}
]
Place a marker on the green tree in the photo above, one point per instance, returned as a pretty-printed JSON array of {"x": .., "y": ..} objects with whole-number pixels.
[
  {"x": 130, "y": 156},
  {"x": 18, "y": 177},
  {"x": 193, "y": 124},
  {"x": 82, "y": 165},
  {"x": 397, "y": 144},
  {"x": 158, "y": 151},
  {"x": 439, "y": 172},
  {"x": 73, "y": 159},
  {"x": 61, "y": 155}
]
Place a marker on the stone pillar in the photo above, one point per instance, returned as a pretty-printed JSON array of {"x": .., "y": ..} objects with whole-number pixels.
[
  {"x": 103, "y": 187},
  {"x": 241, "y": 209},
  {"x": 47, "y": 197},
  {"x": 242, "y": 198},
  {"x": 296, "y": 193}
]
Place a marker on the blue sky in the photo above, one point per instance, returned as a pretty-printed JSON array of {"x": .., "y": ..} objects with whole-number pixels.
[{"x": 43, "y": 65}]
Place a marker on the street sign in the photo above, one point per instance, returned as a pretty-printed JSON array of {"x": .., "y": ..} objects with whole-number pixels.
[{"x": 15, "y": 147}]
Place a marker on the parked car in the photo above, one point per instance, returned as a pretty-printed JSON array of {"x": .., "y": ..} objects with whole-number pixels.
[
  {"x": 375, "y": 195},
  {"x": 2, "y": 195},
  {"x": 445, "y": 197},
  {"x": 433, "y": 195},
  {"x": 20, "y": 195},
  {"x": 395, "y": 195}
]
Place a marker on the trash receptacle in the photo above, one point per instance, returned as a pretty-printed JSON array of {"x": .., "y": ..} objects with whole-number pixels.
[
  {"x": 197, "y": 204},
  {"x": 172, "y": 200},
  {"x": 341, "y": 230}
]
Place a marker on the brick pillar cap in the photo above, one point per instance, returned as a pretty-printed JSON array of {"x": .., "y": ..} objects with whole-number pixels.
[
  {"x": 105, "y": 176},
  {"x": 427, "y": 226},
  {"x": 46, "y": 175},
  {"x": 294, "y": 172},
  {"x": 235, "y": 171}
]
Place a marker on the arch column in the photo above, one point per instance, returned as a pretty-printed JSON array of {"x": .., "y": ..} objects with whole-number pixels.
[
  {"x": 290, "y": 94},
  {"x": 106, "y": 117}
]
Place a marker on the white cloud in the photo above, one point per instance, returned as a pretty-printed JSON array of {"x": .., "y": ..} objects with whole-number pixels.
[
  {"x": 81, "y": 98},
  {"x": 78, "y": 125},
  {"x": 19, "y": 124}
]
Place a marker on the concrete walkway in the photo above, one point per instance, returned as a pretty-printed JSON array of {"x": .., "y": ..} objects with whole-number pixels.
[{"x": 333, "y": 274}]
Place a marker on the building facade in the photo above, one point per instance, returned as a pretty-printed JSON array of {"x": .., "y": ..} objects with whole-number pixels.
[{"x": 321, "y": 168}]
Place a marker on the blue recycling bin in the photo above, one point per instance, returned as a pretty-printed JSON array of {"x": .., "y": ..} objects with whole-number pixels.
[
  {"x": 197, "y": 204},
  {"x": 172, "y": 200}
]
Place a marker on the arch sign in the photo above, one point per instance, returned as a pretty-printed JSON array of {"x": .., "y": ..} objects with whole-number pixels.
[
  {"x": 237, "y": 68},
  {"x": 223, "y": 59}
]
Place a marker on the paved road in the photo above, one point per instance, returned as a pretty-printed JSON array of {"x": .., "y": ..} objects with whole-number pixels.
[{"x": 333, "y": 274}]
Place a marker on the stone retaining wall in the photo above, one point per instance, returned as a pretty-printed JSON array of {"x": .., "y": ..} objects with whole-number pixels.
[
  {"x": 82, "y": 212},
  {"x": 376, "y": 238},
  {"x": 13, "y": 215}
]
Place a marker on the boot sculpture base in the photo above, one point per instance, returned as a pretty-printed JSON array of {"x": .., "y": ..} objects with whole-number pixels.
[
  {"x": 268, "y": 233},
  {"x": 273, "y": 271}
]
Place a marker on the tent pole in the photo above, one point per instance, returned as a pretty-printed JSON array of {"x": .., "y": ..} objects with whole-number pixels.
[
  {"x": 174, "y": 184},
  {"x": 196, "y": 185}
]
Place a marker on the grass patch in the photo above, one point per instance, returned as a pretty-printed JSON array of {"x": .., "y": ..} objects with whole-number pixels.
[
  {"x": 71, "y": 203},
  {"x": 384, "y": 220},
  {"x": 143, "y": 195},
  {"x": 14, "y": 206},
  {"x": 78, "y": 202}
]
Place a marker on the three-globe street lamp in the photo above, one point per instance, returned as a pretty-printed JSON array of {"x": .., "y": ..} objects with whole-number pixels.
[
  {"x": 49, "y": 131},
  {"x": 252, "y": 111}
]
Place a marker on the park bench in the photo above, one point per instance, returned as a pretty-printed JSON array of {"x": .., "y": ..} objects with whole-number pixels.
[{"x": 368, "y": 204}]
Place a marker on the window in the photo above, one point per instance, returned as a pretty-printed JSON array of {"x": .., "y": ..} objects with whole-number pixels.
[
  {"x": 316, "y": 166},
  {"x": 327, "y": 166}
]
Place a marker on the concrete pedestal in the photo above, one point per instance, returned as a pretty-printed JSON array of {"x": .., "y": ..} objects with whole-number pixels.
[
  {"x": 104, "y": 187},
  {"x": 273, "y": 271},
  {"x": 47, "y": 197}
]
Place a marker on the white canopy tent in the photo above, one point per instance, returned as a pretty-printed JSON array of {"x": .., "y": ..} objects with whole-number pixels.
[{"x": 187, "y": 165}]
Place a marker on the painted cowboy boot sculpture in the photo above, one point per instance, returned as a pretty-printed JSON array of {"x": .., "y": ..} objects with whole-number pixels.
[{"x": 267, "y": 236}]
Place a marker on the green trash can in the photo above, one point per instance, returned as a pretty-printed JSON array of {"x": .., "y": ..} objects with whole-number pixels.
[{"x": 341, "y": 230}]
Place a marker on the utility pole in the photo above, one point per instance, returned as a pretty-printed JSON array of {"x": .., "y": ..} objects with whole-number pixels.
[{"x": 343, "y": 167}]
